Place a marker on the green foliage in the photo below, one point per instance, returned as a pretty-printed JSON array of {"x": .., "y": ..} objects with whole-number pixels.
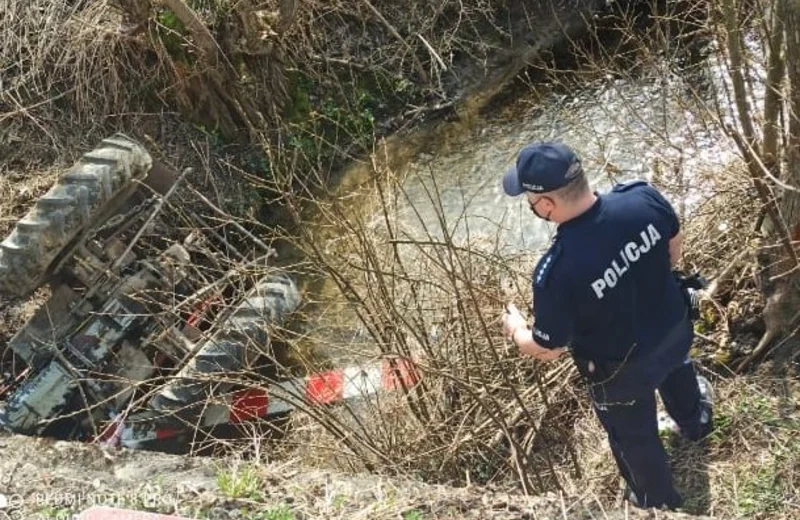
[
  {"x": 402, "y": 86},
  {"x": 209, "y": 6},
  {"x": 750, "y": 428},
  {"x": 355, "y": 121},
  {"x": 391, "y": 93},
  {"x": 170, "y": 20},
  {"x": 707, "y": 322},
  {"x": 412, "y": 515},
  {"x": 277, "y": 513},
  {"x": 766, "y": 488},
  {"x": 722, "y": 427},
  {"x": 216, "y": 139},
  {"x": 329, "y": 121},
  {"x": 758, "y": 407},
  {"x": 257, "y": 163},
  {"x": 240, "y": 482},
  {"x": 172, "y": 33},
  {"x": 300, "y": 106},
  {"x": 56, "y": 513},
  {"x": 729, "y": 417}
]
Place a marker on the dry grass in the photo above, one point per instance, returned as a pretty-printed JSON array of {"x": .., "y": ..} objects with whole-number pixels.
[
  {"x": 749, "y": 468},
  {"x": 428, "y": 293},
  {"x": 314, "y": 79},
  {"x": 747, "y": 471},
  {"x": 427, "y": 298},
  {"x": 68, "y": 71}
]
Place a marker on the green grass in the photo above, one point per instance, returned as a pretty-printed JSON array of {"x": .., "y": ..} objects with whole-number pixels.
[
  {"x": 277, "y": 513},
  {"x": 240, "y": 482},
  {"x": 243, "y": 481},
  {"x": 746, "y": 411},
  {"x": 55, "y": 513},
  {"x": 767, "y": 488},
  {"x": 758, "y": 446},
  {"x": 412, "y": 515},
  {"x": 172, "y": 33},
  {"x": 323, "y": 124}
]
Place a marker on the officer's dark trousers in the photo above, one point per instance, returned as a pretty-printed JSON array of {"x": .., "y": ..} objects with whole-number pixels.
[
  {"x": 628, "y": 414},
  {"x": 632, "y": 429}
]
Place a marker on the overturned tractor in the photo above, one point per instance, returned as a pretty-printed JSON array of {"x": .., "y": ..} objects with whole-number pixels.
[
  {"x": 129, "y": 330},
  {"x": 145, "y": 333},
  {"x": 156, "y": 325}
]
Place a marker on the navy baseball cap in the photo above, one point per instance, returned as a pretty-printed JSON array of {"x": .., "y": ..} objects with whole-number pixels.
[{"x": 542, "y": 167}]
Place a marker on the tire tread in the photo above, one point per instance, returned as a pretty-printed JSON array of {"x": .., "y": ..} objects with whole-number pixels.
[{"x": 68, "y": 208}]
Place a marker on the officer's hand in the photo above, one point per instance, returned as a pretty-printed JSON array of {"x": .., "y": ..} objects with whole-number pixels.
[
  {"x": 549, "y": 354},
  {"x": 512, "y": 319}
]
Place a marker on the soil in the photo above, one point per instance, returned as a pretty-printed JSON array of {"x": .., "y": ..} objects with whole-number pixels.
[{"x": 42, "y": 479}]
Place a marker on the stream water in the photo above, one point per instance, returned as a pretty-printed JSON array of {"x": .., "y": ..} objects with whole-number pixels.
[{"x": 654, "y": 127}]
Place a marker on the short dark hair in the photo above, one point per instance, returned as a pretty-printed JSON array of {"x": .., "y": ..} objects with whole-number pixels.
[{"x": 576, "y": 189}]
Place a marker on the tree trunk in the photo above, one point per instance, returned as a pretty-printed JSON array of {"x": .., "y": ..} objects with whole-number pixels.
[
  {"x": 781, "y": 274},
  {"x": 790, "y": 203},
  {"x": 773, "y": 97},
  {"x": 200, "y": 34},
  {"x": 791, "y": 200}
]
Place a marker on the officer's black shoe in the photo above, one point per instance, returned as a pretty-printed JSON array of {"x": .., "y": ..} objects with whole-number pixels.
[{"x": 671, "y": 505}]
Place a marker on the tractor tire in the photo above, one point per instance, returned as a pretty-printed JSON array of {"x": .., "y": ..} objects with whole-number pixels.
[
  {"x": 97, "y": 183},
  {"x": 246, "y": 330}
]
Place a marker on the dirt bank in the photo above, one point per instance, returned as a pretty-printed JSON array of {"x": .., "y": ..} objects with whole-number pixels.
[
  {"x": 48, "y": 480},
  {"x": 747, "y": 469}
]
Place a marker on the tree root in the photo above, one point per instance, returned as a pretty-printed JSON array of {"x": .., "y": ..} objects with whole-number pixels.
[
  {"x": 765, "y": 340},
  {"x": 780, "y": 315},
  {"x": 726, "y": 272}
]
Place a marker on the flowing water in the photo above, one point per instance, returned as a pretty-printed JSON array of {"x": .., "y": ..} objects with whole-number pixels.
[{"x": 653, "y": 127}]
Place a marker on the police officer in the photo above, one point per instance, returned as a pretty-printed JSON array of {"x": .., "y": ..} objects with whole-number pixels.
[{"x": 605, "y": 290}]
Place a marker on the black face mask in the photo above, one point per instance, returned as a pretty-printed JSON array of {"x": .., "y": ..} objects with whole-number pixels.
[{"x": 543, "y": 217}]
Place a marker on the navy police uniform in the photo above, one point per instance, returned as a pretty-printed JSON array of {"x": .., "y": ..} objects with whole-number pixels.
[{"x": 605, "y": 288}]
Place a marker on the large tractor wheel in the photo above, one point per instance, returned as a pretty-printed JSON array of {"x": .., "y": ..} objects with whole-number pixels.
[
  {"x": 247, "y": 330},
  {"x": 101, "y": 180}
]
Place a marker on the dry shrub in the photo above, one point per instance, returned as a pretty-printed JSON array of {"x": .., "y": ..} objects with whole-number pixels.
[
  {"x": 722, "y": 243},
  {"x": 417, "y": 292},
  {"x": 663, "y": 104},
  {"x": 281, "y": 70},
  {"x": 480, "y": 413}
]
